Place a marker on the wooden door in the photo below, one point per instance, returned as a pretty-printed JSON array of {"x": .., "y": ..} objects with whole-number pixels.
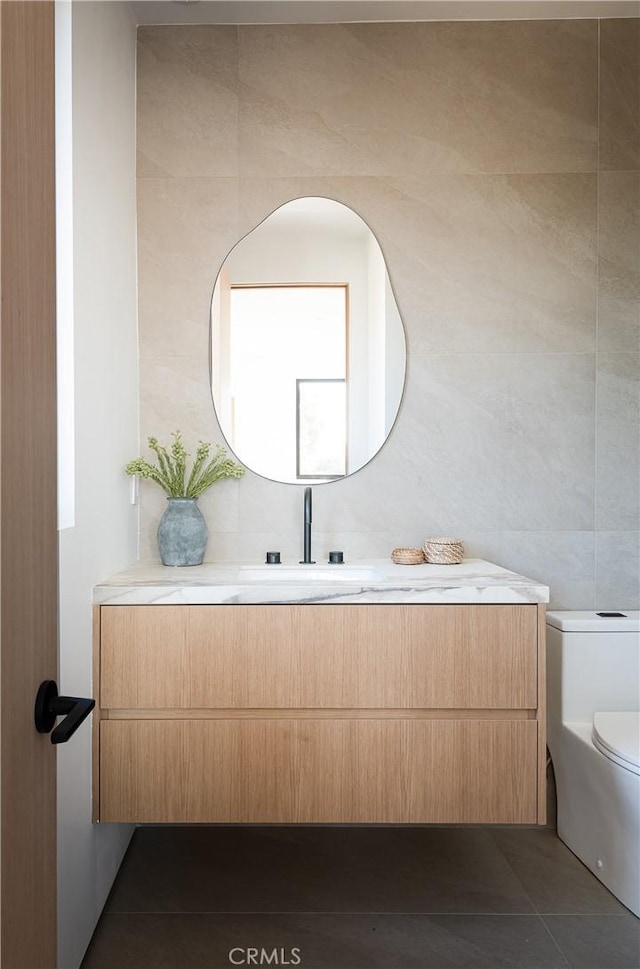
[{"x": 28, "y": 515}]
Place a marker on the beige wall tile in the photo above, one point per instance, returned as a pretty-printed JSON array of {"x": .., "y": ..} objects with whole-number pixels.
[
  {"x": 617, "y": 570},
  {"x": 186, "y": 227},
  {"x": 491, "y": 442},
  {"x": 496, "y": 263},
  {"x": 493, "y": 263},
  {"x": 250, "y": 547},
  {"x": 563, "y": 560},
  {"x": 372, "y": 99},
  {"x": 618, "y": 441},
  {"x": 470, "y": 149},
  {"x": 508, "y": 439},
  {"x": 620, "y": 95},
  {"x": 362, "y": 545},
  {"x": 175, "y": 394},
  {"x": 619, "y": 261},
  {"x": 187, "y": 101},
  {"x": 386, "y": 494}
]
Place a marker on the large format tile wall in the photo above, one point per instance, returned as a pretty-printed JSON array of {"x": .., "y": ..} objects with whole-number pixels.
[{"x": 499, "y": 166}]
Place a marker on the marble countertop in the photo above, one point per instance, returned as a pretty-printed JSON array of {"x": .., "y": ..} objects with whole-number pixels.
[{"x": 474, "y": 580}]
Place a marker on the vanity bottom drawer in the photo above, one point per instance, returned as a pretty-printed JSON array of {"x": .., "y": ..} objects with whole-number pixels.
[{"x": 318, "y": 771}]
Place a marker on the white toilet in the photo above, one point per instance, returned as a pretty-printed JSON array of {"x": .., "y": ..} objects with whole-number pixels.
[{"x": 593, "y": 719}]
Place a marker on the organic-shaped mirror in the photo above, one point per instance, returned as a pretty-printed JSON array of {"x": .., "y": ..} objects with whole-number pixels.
[{"x": 307, "y": 345}]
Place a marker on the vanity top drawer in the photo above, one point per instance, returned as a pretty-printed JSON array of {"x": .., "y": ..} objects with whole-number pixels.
[{"x": 315, "y": 657}]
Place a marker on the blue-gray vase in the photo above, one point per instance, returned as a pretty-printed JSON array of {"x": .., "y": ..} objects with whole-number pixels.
[{"x": 182, "y": 533}]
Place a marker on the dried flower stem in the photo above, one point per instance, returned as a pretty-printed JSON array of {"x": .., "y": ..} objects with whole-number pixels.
[{"x": 171, "y": 469}]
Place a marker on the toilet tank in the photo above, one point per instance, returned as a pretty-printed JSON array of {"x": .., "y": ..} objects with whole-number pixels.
[{"x": 593, "y": 663}]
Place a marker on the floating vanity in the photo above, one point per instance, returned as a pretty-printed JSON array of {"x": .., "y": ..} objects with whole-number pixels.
[{"x": 329, "y": 694}]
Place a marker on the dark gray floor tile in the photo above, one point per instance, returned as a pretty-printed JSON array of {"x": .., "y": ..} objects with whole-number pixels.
[
  {"x": 283, "y": 869},
  {"x": 325, "y": 941},
  {"x": 553, "y": 878},
  {"x": 597, "y": 941}
]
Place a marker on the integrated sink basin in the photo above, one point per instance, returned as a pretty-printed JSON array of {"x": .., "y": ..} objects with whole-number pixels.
[{"x": 309, "y": 573}]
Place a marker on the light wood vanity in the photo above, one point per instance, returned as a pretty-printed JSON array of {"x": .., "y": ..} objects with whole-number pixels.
[{"x": 331, "y": 713}]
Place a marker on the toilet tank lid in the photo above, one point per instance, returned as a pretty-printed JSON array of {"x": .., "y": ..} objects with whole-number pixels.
[{"x": 596, "y": 622}]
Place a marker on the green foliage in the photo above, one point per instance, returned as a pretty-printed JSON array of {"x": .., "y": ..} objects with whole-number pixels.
[{"x": 170, "y": 471}]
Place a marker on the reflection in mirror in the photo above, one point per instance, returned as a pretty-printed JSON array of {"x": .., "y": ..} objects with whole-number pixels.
[
  {"x": 321, "y": 428},
  {"x": 307, "y": 345}
]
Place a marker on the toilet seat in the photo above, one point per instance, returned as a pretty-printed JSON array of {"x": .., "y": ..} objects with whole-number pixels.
[{"x": 617, "y": 736}]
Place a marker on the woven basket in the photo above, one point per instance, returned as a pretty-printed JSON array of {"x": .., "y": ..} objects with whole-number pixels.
[
  {"x": 443, "y": 551},
  {"x": 408, "y": 556}
]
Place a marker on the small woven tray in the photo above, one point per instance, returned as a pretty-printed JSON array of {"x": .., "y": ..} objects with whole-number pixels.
[
  {"x": 408, "y": 556},
  {"x": 443, "y": 551}
]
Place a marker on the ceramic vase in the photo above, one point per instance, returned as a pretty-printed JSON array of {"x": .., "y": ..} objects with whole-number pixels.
[{"x": 182, "y": 533}]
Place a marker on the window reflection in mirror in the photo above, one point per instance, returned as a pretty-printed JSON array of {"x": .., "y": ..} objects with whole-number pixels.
[
  {"x": 308, "y": 324},
  {"x": 321, "y": 428},
  {"x": 307, "y": 348}
]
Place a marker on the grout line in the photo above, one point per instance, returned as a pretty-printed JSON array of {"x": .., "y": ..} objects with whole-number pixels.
[
  {"x": 515, "y": 874},
  {"x": 553, "y": 939},
  {"x": 589, "y": 914},
  {"x": 332, "y": 914},
  {"x": 423, "y": 176}
]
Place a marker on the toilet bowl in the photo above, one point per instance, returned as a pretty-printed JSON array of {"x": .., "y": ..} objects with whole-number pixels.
[{"x": 593, "y": 735}]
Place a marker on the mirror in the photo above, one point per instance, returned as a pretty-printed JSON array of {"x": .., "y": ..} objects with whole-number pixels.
[{"x": 308, "y": 351}]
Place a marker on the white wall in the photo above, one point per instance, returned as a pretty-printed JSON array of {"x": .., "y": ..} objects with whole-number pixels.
[{"x": 103, "y": 533}]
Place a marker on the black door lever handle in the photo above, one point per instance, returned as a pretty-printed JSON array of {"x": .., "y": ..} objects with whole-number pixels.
[{"x": 49, "y": 706}]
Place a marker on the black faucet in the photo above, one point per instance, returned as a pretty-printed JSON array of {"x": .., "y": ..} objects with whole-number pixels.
[{"x": 307, "y": 560}]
